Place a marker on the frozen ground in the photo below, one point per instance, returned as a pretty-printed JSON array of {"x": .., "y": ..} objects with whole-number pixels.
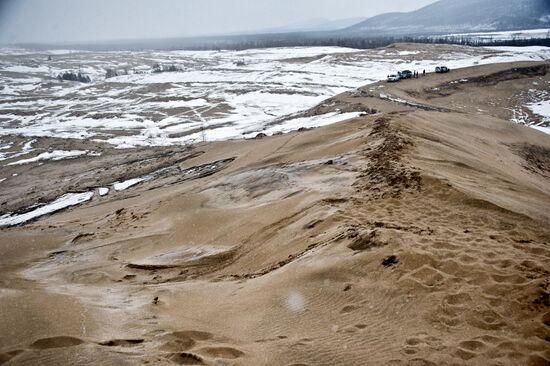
[
  {"x": 533, "y": 108},
  {"x": 503, "y": 36},
  {"x": 54, "y": 155},
  {"x": 542, "y": 109},
  {"x": 215, "y": 96},
  {"x": 67, "y": 200}
]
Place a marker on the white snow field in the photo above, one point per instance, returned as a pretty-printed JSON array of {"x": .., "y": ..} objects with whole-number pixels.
[
  {"x": 218, "y": 94},
  {"x": 502, "y": 36}
]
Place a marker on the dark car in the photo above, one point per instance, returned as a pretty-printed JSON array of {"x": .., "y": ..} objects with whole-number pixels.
[
  {"x": 406, "y": 74},
  {"x": 442, "y": 69}
]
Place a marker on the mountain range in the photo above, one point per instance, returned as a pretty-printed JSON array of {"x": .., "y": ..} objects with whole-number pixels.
[{"x": 448, "y": 16}]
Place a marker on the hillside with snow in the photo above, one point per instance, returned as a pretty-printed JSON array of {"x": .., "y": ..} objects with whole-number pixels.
[{"x": 460, "y": 16}]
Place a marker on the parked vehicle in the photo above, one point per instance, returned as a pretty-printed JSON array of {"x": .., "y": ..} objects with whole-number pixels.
[
  {"x": 442, "y": 69},
  {"x": 393, "y": 78},
  {"x": 406, "y": 74}
]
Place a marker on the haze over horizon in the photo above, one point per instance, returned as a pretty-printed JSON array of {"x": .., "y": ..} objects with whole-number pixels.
[{"x": 66, "y": 21}]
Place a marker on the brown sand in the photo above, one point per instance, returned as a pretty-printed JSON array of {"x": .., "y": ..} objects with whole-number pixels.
[{"x": 414, "y": 236}]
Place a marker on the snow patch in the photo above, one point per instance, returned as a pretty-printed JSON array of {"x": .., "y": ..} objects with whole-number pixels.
[
  {"x": 542, "y": 129},
  {"x": 307, "y": 122},
  {"x": 542, "y": 109},
  {"x": 408, "y": 53},
  {"x": 54, "y": 155},
  {"x": 120, "y": 186},
  {"x": 67, "y": 200}
]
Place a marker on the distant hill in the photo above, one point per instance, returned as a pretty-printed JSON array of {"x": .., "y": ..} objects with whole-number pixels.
[
  {"x": 448, "y": 16},
  {"x": 313, "y": 25}
]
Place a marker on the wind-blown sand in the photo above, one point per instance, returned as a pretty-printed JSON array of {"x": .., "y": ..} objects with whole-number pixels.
[{"x": 417, "y": 235}]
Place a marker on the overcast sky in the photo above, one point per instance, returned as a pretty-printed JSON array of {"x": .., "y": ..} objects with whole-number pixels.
[{"x": 91, "y": 20}]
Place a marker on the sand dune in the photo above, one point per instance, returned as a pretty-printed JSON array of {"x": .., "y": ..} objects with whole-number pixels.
[{"x": 414, "y": 235}]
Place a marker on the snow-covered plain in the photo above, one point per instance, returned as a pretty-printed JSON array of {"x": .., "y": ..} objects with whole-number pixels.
[
  {"x": 502, "y": 36},
  {"x": 213, "y": 98}
]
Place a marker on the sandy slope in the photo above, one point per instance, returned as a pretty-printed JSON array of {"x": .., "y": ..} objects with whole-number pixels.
[{"x": 413, "y": 236}]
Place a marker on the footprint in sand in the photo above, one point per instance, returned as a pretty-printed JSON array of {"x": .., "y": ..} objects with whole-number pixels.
[
  {"x": 56, "y": 342},
  {"x": 473, "y": 346},
  {"x": 457, "y": 299},
  {"x": 182, "y": 341},
  {"x": 221, "y": 352},
  {"x": 121, "y": 342},
  {"x": 178, "y": 345},
  {"x": 348, "y": 309},
  {"x": 470, "y": 349},
  {"x": 185, "y": 358},
  {"x": 464, "y": 355},
  {"x": 422, "y": 341},
  {"x": 424, "y": 279},
  {"x": 486, "y": 319}
]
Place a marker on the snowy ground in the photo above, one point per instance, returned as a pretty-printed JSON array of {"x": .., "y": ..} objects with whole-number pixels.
[
  {"x": 67, "y": 200},
  {"x": 533, "y": 108},
  {"x": 503, "y": 36},
  {"x": 542, "y": 109},
  {"x": 216, "y": 96},
  {"x": 212, "y": 98}
]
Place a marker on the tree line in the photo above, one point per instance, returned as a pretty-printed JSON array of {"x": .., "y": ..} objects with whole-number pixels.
[{"x": 359, "y": 42}]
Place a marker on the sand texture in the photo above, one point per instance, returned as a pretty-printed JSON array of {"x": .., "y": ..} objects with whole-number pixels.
[{"x": 417, "y": 234}]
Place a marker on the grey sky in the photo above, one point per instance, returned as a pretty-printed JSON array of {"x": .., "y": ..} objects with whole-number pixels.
[{"x": 89, "y": 20}]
